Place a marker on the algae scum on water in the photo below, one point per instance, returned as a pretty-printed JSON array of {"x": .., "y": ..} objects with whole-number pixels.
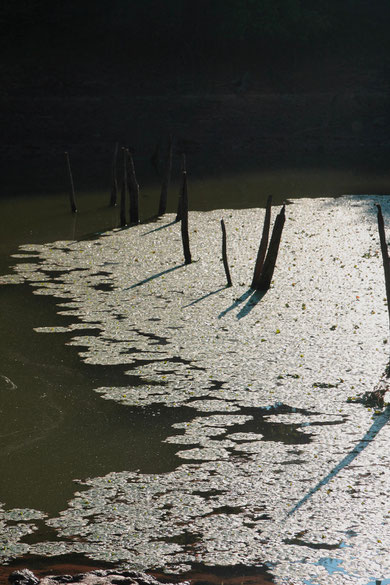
[{"x": 274, "y": 466}]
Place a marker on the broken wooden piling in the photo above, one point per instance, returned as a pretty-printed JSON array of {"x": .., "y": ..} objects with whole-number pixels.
[
  {"x": 166, "y": 179},
  {"x": 72, "y": 197},
  {"x": 133, "y": 190},
  {"x": 385, "y": 255},
  {"x": 184, "y": 220},
  {"x": 123, "y": 190},
  {"x": 183, "y": 168},
  {"x": 224, "y": 254},
  {"x": 263, "y": 244},
  {"x": 114, "y": 180},
  {"x": 264, "y": 280}
]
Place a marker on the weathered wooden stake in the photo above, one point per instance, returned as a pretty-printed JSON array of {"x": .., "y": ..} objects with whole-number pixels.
[
  {"x": 124, "y": 190},
  {"x": 133, "y": 190},
  {"x": 72, "y": 197},
  {"x": 114, "y": 180},
  {"x": 264, "y": 281},
  {"x": 166, "y": 179},
  {"x": 224, "y": 254},
  {"x": 183, "y": 168},
  {"x": 263, "y": 244},
  {"x": 385, "y": 255},
  {"x": 184, "y": 221}
]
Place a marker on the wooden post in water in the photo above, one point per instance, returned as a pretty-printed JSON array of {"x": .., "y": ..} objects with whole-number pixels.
[
  {"x": 264, "y": 281},
  {"x": 72, "y": 197},
  {"x": 183, "y": 168},
  {"x": 124, "y": 190},
  {"x": 166, "y": 179},
  {"x": 133, "y": 190},
  {"x": 385, "y": 255},
  {"x": 184, "y": 221},
  {"x": 263, "y": 244},
  {"x": 114, "y": 180},
  {"x": 224, "y": 254}
]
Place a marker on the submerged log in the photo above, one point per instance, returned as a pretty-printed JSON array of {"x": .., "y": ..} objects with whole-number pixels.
[
  {"x": 263, "y": 245},
  {"x": 224, "y": 254},
  {"x": 72, "y": 197}
]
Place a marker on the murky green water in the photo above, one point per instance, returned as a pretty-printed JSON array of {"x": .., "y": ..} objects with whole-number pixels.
[{"x": 55, "y": 429}]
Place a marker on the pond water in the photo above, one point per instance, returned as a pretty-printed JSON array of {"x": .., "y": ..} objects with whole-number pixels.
[{"x": 227, "y": 421}]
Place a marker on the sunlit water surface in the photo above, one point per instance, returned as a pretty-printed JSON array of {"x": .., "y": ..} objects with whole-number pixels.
[{"x": 226, "y": 422}]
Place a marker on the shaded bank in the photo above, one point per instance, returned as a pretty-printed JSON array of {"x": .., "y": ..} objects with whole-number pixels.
[{"x": 219, "y": 132}]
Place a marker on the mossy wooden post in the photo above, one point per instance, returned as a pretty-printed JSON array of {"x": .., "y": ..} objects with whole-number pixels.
[
  {"x": 264, "y": 281},
  {"x": 114, "y": 180},
  {"x": 124, "y": 190},
  {"x": 166, "y": 179},
  {"x": 133, "y": 190},
  {"x": 263, "y": 244},
  {"x": 184, "y": 221},
  {"x": 385, "y": 255},
  {"x": 72, "y": 197},
  {"x": 224, "y": 254},
  {"x": 183, "y": 168}
]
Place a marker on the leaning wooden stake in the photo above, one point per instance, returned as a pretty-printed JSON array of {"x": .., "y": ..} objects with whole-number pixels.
[
  {"x": 72, "y": 197},
  {"x": 133, "y": 190},
  {"x": 224, "y": 254},
  {"x": 166, "y": 179},
  {"x": 264, "y": 281},
  {"x": 263, "y": 245},
  {"x": 184, "y": 221},
  {"x": 114, "y": 180},
  {"x": 385, "y": 255},
  {"x": 183, "y": 168},
  {"x": 124, "y": 190}
]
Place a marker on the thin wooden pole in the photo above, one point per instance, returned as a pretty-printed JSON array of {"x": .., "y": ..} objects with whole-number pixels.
[
  {"x": 385, "y": 255},
  {"x": 166, "y": 179},
  {"x": 264, "y": 281},
  {"x": 263, "y": 244},
  {"x": 124, "y": 190},
  {"x": 114, "y": 180},
  {"x": 72, "y": 197},
  {"x": 224, "y": 254},
  {"x": 184, "y": 221},
  {"x": 133, "y": 190},
  {"x": 183, "y": 168}
]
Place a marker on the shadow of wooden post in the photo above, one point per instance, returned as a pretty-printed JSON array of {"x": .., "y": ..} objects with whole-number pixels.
[
  {"x": 385, "y": 255},
  {"x": 264, "y": 281},
  {"x": 166, "y": 179},
  {"x": 114, "y": 180},
  {"x": 224, "y": 254},
  {"x": 123, "y": 190},
  {"x": 133, "y": 190},
  {"x": 72, "y": 197},
  {"x": 184, "y": 220},
  {"x": 263, "y": 244}
]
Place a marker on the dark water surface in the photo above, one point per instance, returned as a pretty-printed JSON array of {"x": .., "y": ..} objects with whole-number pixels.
[{"x": 54, "y": 428}]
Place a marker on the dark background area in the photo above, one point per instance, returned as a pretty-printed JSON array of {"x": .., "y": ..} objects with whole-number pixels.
[{"x": 239, "y": 83}]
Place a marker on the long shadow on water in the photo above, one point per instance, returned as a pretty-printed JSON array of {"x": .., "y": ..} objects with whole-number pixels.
[
  {"x": 252, "y": 297},
  {"x": 370, "y": 435}
]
